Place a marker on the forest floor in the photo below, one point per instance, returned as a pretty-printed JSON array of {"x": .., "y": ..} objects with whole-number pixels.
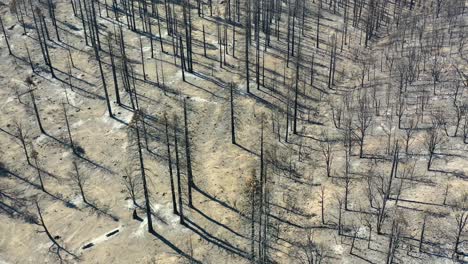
[{"x": 218, "y": 226}]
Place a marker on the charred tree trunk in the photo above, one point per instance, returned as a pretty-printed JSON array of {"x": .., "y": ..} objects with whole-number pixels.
[
  {"x": 233, "y": 126},
  {"x": 179, "y": 185},
  {"x": 6, "y": 37},
  {"x": 188, "y": 155},
  {"x": 72, "y": 145},
  {"x": 143, "y": 176},
  {"x": 169, "y": 157},
  {"x": 36, "y": 111}
]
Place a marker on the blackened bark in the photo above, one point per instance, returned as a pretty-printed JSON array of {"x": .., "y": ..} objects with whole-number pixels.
[
  {"x": 233, "y": 127},
  {"x": 36, "y": 111},
  {"x": 6, "y": 37},
  {"x": 188, "y": 155},
  {"x": 171, "y": 175},
  {"x": 179, "y": 185},
  {"x": 143, "y": 176}
]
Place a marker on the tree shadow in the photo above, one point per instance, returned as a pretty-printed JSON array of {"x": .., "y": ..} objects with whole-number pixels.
[
  {"x": 174, "y": 247},
  {"x": 361, "y": 258},
  {"x": 294, "y": 211},
  {"x": 246, "y": 149},
  {"x": 216, "y": 241},
  {"x": 15, "y": 207},
  {"x": 214, "y": 199},
  {"x": 418, "y": 202},
  {"x": 95, "y": 164},
  {"x": 101, "y": 211},
  {"x": 285, "y": 221},
  {"x": 217, "y": 223},
  {"x": 23, "y": 179},
  {"x": 458, "y": 174}
]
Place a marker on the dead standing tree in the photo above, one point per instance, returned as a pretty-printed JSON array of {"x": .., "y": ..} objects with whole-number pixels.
[
  {"x": 436, "y": 72},
  {"x": 432, "y": 140},
  {"x": 252, "y": 186},
  {"x": 75, "y": 148},
  {"x": 296, "y": 89},
  {"x": 80, "y": 181},
  {"x": 35, "y": 157},
  {"x": 6, "y": 37},
  {"x": 133, "y": 185},
  {"x": 326, "y": 147},
  {"x": 134, "y": 135},
  {"x": 461, "y": 218},
  {"x": 312, "y": 252},
  {"x": 386, "y": 189},
  {"x": 322, "y": 203},
  {"x": 364, "y": 118},
  {"x": 30, "y": 83},
  {"x": 247, "y": 44},
  {"x": 233, "y": 120},
  {"x": 22, "y": 137},
  {"x": 396, "y": 234},
  {"x": 409, "y": 132}
]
